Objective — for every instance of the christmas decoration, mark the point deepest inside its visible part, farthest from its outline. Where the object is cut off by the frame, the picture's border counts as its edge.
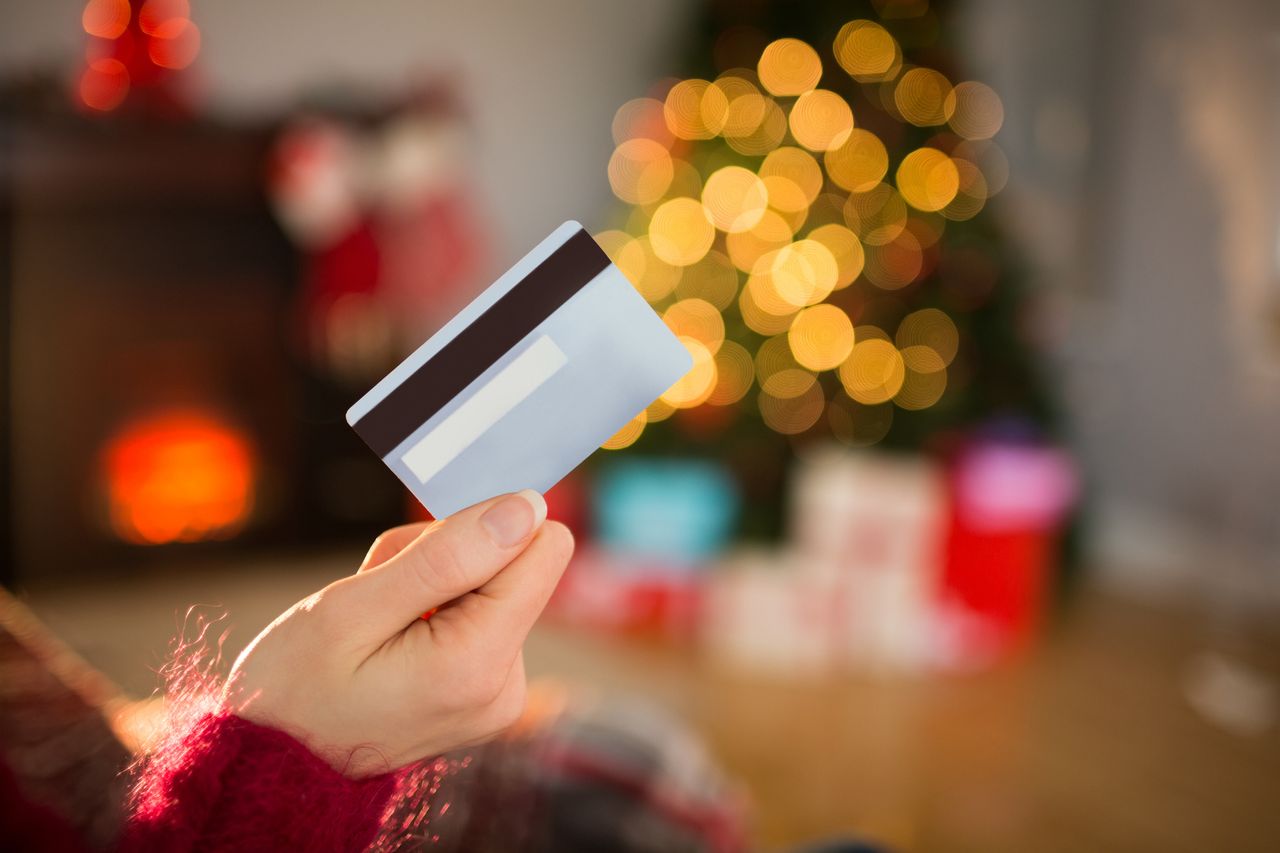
(808, 212)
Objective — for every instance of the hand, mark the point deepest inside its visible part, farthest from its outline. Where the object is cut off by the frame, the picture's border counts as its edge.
(354, 672)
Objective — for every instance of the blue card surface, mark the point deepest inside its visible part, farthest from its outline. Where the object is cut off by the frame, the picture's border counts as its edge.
(525, 382)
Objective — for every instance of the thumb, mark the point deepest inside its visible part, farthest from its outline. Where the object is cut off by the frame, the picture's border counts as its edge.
(446, 560)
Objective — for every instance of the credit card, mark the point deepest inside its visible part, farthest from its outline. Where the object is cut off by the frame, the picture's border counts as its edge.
(525, 382)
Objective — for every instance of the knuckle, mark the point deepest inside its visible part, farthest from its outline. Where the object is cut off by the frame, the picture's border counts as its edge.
(438, 567)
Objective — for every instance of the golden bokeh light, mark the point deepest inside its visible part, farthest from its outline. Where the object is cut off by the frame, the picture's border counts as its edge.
(932, 329)
(974, 110)
(972, 194)
(640, 171)
(845, 248)
(921, 96)
(788, 382)
(659, 410)
(735, 371)
(735, 199)
(866, 51)
(628, 435)
(821, 120)
(694, 387)
(714, 108)
(680, 232)
(649, 274)
(774, 357)
(922, 359)
(803, 273)
(921, 388)
(877, 216)
(682, 109)
(874, 371)
(821, 337)
(712, 279)
(746, 248)
(743, 106)
(762, 309)
(641, 118)
(792, 415)
(792, 177)
(766, 136)
(859, 163)
(928, 179)
(696, 319)
(789, 67)
(895, 264)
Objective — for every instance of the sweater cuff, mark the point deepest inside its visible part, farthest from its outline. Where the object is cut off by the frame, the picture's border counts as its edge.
(230, 784)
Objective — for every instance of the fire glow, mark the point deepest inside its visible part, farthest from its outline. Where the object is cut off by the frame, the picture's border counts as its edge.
(178, 476)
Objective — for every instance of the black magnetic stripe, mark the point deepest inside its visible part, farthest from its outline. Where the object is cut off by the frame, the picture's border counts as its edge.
(477, 347)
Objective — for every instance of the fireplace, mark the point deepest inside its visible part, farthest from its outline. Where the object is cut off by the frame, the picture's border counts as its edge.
(157, 402)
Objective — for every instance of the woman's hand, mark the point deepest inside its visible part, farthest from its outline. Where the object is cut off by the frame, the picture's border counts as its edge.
(354, 672)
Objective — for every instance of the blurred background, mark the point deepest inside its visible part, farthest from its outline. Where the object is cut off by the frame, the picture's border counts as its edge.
(962, 534)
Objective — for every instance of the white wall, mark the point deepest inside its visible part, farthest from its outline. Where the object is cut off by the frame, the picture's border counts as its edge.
(1143, 138)
(543, 78)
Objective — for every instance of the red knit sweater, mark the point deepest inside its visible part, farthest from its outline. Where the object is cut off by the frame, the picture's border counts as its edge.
(232, 785)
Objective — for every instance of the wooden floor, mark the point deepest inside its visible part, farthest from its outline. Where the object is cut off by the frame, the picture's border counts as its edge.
(1087, 746)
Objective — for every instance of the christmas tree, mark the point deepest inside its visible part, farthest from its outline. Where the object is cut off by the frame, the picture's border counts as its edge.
(808, 211)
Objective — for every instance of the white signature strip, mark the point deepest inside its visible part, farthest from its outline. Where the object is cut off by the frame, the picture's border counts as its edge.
(489, 404)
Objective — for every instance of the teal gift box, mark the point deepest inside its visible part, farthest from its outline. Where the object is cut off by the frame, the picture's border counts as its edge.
(676, 511)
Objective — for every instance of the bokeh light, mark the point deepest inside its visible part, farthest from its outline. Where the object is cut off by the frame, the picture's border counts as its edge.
(104, 84)
(746, 248)
(803, 273)
(696, 319)
(680, 232)
(927, 179)
(766, 136)
(792, 177)
(107, 19)
(859, 163)
(932, 329)
(874, 371)
(921, 96)
(682, 110)
(641, 118)
(789, 67)
(735, 373)
(735, 199)
(866, 51)
(628, 434)
(712, 279)
(640, 171)
(821, 337)
(791, 415)
(974, 110)
(877, 216)
(845, 248)
(174, 44)
(821, 120)
(696, 386)
(895, 264)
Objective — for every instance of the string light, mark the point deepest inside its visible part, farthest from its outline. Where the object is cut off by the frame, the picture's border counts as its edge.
(804, 207)
(789, 67)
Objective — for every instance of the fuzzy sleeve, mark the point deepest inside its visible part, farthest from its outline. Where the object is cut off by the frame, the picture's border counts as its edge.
(231, 785)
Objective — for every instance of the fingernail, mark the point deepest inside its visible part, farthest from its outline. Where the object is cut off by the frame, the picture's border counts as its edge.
(512, 519)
